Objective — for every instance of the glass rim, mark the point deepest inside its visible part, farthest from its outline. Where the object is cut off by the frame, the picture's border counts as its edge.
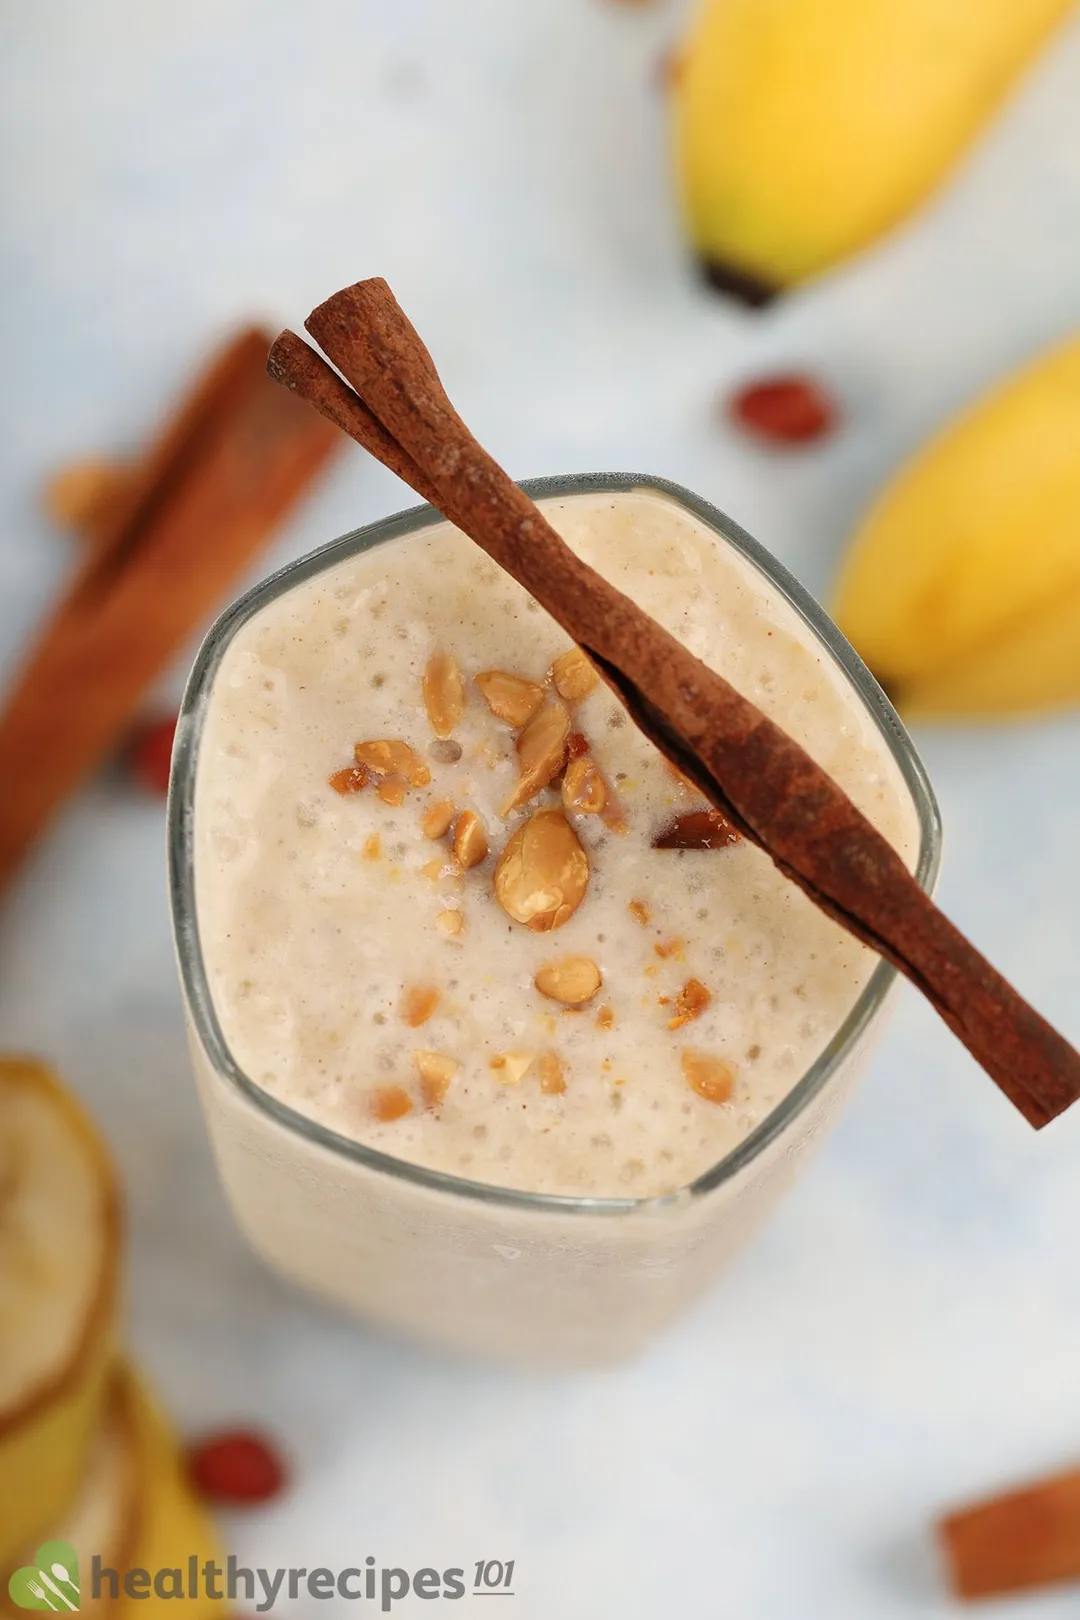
(181, 826)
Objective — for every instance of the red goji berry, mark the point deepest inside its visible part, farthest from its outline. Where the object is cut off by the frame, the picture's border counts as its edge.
(236, 1467)
(790, 409)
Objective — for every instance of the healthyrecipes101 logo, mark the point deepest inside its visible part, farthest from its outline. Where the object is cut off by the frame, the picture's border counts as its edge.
(51, 1581)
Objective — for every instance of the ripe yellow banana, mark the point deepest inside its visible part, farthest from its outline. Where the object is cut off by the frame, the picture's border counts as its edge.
(134, 1511)
(962, 587)
(59, 1241)
(805, 129)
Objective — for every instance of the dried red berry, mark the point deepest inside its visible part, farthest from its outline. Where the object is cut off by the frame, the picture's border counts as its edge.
(149, 754)
(784, 410)
(236, 1467)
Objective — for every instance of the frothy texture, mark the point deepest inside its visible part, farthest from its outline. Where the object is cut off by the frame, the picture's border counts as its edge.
(346, 949)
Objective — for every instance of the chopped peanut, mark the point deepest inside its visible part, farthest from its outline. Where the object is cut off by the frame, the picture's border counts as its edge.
(393, 758)
(470, 840)
(451, 923)
(372, 848)
(510, 697)
(541, 753)
(436, 819)
(574, 980)
(550, 1069)
(391, 790)
(436, 1071)
(573, 675)
(640, 912)
(389, 1103)
(583, 788)
(418, 1004)
(353, 779)
(542, 874)
(444, 693)
(690, 1003)
(670, 947)
(709, 1076)
(605, 1018)
(510, 1068)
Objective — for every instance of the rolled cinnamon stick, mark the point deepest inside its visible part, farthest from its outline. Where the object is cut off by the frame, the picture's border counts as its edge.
(1013, 1543)
(746, 765)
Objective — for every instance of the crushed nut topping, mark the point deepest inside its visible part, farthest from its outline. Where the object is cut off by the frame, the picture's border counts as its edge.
(542, 874)
(550, 1069)
(709, 1076)
(698, 829)
(690, 1003)
(573, 675)
(670, 947)
(640, 912)
(444, 693)
(510, 1068)
(418, 1004)
(393, 758)
(436, 819)
(444, 751)
(451, 923)
(436, 1071)
(541, 753)
(391, 790)
(470, 840)
(577, 745)
(353, 779)
(510, 697)
(583, 788)
(573, 980)
(605, 1018)
(372, 848)
(389, 1103)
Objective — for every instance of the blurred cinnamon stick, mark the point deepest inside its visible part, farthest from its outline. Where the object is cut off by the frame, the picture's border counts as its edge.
(748, 768)
(1013, 1543)
(164, 550)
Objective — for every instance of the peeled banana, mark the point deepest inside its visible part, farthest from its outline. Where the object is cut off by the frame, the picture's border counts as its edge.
(805, 129)
(59, 1243)
(962, 587)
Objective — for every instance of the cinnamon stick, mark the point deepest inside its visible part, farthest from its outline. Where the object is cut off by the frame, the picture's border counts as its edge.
(746, 766)
(221, 476)
(1025, 1539)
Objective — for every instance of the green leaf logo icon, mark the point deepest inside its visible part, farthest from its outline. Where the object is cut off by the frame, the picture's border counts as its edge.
(50, 1582)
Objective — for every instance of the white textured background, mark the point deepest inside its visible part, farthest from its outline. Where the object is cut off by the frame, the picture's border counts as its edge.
(908, 1331)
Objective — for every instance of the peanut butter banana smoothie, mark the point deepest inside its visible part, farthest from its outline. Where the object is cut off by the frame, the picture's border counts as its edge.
(455, 908)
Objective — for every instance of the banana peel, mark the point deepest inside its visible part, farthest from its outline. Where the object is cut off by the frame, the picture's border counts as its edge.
(961, 589)
(135, 1510)
(806, 129)
(59, 1285)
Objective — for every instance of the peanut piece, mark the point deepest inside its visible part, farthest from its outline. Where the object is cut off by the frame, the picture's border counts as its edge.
(583, 788)
(418, 1004)
(510, 697)
(550, 1069)
(393, 758)
(444, 693)
(709, 1076)
(690, 1003)
(451, 923)
(353, 779)
(542, 874)
(573, 675)
(510, 1068)
(436, 819)
(436, 1071)
(605, 1018)
(640, 912)
(389, 1103)
(470, 840)
(541, 753)
(391, 790)
(573, 981)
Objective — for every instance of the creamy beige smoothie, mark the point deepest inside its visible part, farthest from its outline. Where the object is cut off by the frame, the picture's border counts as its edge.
(404, 755)
(488, 1054)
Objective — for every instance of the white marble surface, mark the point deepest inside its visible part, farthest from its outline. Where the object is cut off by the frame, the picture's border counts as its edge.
(908, 1330)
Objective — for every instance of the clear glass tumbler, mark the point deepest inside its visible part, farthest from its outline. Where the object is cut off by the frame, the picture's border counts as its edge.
(528, 1277)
